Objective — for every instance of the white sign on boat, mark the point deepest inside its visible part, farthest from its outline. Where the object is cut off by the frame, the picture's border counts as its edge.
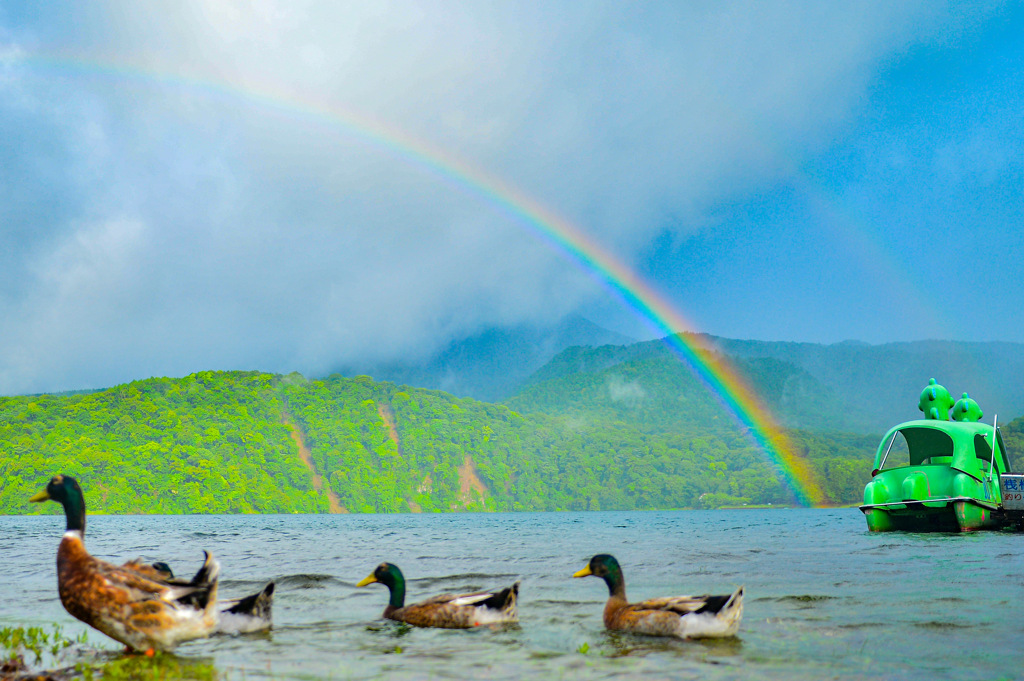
(1012, 488)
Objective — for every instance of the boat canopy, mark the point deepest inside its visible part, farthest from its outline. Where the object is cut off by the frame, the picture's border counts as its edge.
(961, 445)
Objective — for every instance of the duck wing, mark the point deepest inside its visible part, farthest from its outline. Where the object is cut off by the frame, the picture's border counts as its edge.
(192, 593)
(138, 587)
(234, 615)
(683, 605)
(156, 571)
(682, 616)
(463, 611)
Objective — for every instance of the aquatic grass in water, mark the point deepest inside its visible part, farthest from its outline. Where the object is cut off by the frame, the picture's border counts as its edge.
(39, 653)
(162, 667)
(41, 645)
(825, 598)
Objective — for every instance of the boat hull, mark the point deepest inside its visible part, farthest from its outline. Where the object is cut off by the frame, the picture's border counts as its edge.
(961, 514)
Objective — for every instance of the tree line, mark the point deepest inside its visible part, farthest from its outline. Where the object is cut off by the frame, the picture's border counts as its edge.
(219, 442)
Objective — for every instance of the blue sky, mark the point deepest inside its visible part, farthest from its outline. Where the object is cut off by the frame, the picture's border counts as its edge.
(781, 171)
(903, 226)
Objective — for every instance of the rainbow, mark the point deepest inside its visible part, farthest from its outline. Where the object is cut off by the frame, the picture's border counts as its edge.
(714, 371)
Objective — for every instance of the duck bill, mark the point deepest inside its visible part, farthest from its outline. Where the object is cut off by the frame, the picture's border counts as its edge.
(369, 580)
(585, 572)
(41, 496)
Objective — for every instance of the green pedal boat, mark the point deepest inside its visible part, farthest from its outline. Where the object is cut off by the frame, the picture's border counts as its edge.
(939, 473)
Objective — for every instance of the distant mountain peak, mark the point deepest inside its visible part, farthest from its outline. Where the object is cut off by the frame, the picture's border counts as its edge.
(495, 362)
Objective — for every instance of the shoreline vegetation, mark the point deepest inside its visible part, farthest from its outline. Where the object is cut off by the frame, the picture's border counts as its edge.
(252, 442)
(47, 654)
(750, 507)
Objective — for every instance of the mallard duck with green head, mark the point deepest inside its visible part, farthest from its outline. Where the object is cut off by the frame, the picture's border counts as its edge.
(680, 616)
(130, 603)
(448, 611)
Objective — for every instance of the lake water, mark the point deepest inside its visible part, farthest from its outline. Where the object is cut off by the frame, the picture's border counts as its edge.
(825, 598)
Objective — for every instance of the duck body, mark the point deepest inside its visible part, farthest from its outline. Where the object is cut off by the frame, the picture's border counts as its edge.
(678, 616)
(460, 611)
(245, 615)
(446, 611)
(127, 606)
(127, 603)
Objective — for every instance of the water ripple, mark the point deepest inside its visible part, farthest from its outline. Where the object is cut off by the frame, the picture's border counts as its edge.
(824, 597)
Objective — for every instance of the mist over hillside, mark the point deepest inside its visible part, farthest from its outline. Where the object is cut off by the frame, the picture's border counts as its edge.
(577, 366)
(844, 387)
(494, 363)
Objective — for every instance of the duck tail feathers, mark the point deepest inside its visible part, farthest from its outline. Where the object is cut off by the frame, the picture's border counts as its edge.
(504, 601)
(736, 600)
(257, 605)
(202, 590)
(732, 612)
(208, 573)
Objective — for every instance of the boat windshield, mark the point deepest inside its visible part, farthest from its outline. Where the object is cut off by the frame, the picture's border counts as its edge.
(917, 446)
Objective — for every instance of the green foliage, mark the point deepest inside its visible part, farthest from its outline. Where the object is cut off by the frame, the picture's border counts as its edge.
(1013, 438)
(162, 666)
(47, 650)
(220, 442)
(650, 389)
(841, 462)
(207, 443)
(43, 645)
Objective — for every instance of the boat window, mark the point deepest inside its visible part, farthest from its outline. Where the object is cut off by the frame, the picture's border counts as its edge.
(899, 452)
(982, 449)
(928, 446)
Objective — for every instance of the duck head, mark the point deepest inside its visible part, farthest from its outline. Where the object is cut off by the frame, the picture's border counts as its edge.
(65, 491)
(390, 576)
(605, 566)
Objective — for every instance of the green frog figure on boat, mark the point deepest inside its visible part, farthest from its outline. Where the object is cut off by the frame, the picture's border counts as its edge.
(947, 472)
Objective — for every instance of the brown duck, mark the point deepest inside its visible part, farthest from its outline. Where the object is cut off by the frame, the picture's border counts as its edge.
(448, 611)
(245, 615)
(681, 616)
(134, 603)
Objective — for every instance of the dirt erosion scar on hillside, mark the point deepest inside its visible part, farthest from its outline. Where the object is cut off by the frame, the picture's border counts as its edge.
(387, 416)
(469, 480)
(307, 459)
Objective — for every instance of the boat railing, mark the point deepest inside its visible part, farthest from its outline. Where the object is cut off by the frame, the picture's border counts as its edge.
(885, 456)
(995, 445)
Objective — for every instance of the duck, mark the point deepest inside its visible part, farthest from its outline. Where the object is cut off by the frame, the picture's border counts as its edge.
(137, 606)
(246, 615)
(446, 611)
(679, 616)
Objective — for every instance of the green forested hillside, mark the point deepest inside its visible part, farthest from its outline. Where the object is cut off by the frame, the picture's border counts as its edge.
(654, 392)
(844, 387)
(234, 442)
(207, 443)
(1013, 438)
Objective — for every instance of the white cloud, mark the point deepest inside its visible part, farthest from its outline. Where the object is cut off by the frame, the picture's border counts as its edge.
(621, 390)
(260, 236)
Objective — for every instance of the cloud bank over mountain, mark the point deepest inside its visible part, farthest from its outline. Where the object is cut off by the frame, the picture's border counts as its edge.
(181, 189)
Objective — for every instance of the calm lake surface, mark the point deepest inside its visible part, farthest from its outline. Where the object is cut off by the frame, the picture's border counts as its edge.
(825, 598)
